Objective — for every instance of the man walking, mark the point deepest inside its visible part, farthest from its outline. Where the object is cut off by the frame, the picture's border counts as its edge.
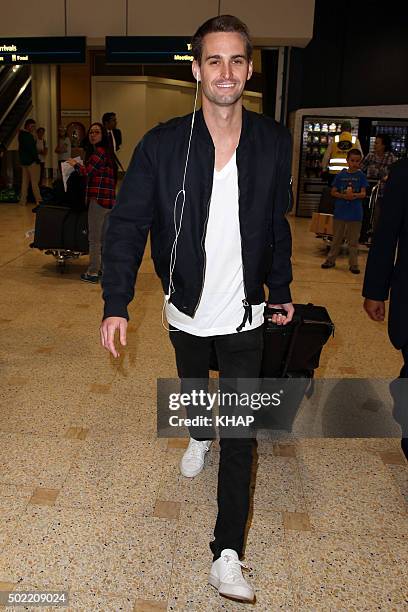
(386, 275)
(30, 162)
(223, 174)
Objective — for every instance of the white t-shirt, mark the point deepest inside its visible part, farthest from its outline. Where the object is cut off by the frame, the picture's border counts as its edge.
(41, 146)
(110, 132)
(220, 310)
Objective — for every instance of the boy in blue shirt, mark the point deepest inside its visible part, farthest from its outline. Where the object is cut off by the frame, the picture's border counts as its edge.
(349, 189)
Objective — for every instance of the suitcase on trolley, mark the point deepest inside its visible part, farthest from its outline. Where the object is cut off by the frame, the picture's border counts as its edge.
(61, 228)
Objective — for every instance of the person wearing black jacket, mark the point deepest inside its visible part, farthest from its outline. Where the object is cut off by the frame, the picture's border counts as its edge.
(386, 276)
(213, 189)
(109, 122)
(30, 162)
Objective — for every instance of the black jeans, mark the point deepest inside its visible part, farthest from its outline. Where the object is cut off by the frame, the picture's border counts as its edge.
(239, 355)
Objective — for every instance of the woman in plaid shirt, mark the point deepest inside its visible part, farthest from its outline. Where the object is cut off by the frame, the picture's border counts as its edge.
(100, 171)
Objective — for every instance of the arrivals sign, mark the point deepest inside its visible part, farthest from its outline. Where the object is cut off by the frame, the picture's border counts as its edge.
(44, 50)
(148, 50)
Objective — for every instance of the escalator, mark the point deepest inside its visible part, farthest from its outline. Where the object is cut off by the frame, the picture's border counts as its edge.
(15, 100)
(15, 103)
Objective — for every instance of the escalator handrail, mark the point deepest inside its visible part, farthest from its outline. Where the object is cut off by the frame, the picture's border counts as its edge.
(8, 77)
(19, 93)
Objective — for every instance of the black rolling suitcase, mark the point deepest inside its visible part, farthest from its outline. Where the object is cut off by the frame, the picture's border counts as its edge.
(292, 352)
(61, 228)
(295, 349)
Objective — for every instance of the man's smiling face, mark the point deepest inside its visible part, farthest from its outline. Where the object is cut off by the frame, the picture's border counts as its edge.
(224, 68)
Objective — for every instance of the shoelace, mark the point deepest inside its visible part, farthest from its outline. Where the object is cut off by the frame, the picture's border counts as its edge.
(234, 569)
(196, 449)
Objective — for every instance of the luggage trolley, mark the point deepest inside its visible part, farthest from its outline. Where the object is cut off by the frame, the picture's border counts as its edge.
(322, 221)
(372, 206)
(61, 225)
(62, 233)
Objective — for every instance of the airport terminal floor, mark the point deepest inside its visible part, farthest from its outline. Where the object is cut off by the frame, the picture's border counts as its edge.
(92, 502)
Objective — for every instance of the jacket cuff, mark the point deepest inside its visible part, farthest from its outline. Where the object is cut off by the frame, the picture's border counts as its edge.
(377, 295)
(115, 306)
(280, 295)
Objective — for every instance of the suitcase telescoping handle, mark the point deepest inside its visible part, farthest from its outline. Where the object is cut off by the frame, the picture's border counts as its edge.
(295, 324)
(296, 327)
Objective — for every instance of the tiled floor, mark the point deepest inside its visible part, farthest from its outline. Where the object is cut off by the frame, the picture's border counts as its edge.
(92, 502)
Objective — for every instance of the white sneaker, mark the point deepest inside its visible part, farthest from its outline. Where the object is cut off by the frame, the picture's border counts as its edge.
(193, 459)
(226, 576)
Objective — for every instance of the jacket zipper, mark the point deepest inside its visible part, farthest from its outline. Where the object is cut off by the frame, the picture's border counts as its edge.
(245, 302)
(204, 253)
(247, 306)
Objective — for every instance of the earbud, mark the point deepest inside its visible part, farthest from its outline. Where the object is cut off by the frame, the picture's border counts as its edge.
(197, 76)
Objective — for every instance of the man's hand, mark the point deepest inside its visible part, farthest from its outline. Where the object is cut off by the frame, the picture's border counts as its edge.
(72, 162)
(280, 319)
(375, 309)
(108, 330)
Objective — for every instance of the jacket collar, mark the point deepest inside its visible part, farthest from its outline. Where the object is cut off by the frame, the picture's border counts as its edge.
(204, 134)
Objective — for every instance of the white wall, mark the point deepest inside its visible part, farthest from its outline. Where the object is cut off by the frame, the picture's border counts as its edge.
(127, 98)
(271, 22)
(175, 18)
(96, 18)
(27, 18)
(142, 102)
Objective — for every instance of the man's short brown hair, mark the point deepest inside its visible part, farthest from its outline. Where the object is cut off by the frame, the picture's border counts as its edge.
(222, 23)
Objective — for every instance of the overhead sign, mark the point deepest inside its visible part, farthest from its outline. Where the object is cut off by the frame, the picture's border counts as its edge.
(148, 50)
(44, 50)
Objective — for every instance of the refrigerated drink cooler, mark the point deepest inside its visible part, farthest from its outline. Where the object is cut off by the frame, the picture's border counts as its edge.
(318, 132)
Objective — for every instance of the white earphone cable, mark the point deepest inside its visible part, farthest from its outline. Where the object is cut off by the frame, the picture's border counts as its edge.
(177, 226)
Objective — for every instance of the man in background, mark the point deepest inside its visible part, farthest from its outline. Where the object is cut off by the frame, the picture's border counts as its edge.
(30, 162)
(109, 122)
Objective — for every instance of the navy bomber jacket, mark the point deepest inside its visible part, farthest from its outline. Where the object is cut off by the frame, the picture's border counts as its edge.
(146, 203)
